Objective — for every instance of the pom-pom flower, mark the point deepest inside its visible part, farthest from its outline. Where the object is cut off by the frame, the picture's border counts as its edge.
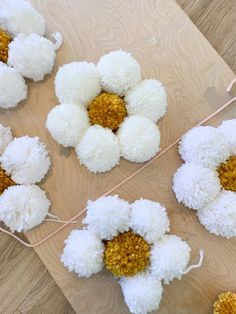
(25, 161)
(130, 241)
(24, 49)
(121, 110)
(225, 303)
(207, 181)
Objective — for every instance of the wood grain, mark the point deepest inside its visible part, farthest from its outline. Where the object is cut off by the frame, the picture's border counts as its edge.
(169, 47)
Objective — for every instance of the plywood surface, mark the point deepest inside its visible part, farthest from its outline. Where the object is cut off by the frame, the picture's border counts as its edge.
(169, 47)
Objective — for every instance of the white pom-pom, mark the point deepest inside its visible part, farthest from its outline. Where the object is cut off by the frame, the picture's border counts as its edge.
(169, 258)
(77, 82)
(142, 293)
(147, 99)
(83, 253)
(5, 137)
(67, 124)
(108, 216)
(228, 128)
(204, 145)
(32, 56)
(149, 219)
(18, 16)
(195, 186)
(219, 216)
(23, 207)
(10, 78)
(118, 71)
(26, 160)
(139, 139)
(99, 149)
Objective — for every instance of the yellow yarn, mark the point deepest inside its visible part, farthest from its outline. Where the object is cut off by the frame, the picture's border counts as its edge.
(5, 181)
(126, 254)
(4, 42)
(226, 303)
(107, 110)
(227, 174)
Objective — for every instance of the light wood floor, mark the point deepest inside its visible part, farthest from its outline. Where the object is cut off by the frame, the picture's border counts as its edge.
(25, 284)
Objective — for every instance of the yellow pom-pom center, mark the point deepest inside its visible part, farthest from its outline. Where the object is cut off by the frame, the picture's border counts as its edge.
(5, 181)
(126, 254)
(4, 42)
(107, 110)
(227, 174)
(226, 303)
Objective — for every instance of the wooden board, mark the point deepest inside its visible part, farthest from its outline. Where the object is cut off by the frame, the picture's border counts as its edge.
(168, 46)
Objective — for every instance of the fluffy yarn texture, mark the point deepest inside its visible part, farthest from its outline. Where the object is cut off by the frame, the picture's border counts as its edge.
(67, 124)
(26, 160)
(10, 78)
(77, 82)
(142, 293)
(147, 99)
(195, 186)
(18, 16)
(204, 145)
(108, 216)
(23, 207)
(219, 216)
(83, 253)
(149, 219)
(32, 56)
(5, 137)
(139, 139)
(227, 128)
(98, 150)
(118, 71)
(169, 258)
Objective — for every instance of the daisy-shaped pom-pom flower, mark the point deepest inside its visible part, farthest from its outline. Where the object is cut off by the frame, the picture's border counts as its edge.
(169, 258)
(23, 207)
(207, 181)
(26, 160)
(99, 149)
(83, 253)
(122, 111)
(9, 77)
(130, 241)
(118, 71)
(5, 137)
(142, 293)
(67, 124)
(77, 82)
(18, 16)
(32, 56)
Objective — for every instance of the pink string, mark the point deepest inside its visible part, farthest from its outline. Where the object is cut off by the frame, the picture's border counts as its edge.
(162, 152)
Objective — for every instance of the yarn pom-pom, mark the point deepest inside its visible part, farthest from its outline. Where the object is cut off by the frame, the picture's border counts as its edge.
(10, 78)
(18, 16)
(142, 293)
(227, 128)
(225, 303)
(149, 219)
(32, 56)
(83, 253)
(169, 258)
(118, 71)
(147, 99)
(77, 82)
(139, 139)
(26, 160)
(195, 186)
(23, 207)
(204, 145)
(67, 124)
(99, 149)
(5, 137)
(108, 216)
(219, 216)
